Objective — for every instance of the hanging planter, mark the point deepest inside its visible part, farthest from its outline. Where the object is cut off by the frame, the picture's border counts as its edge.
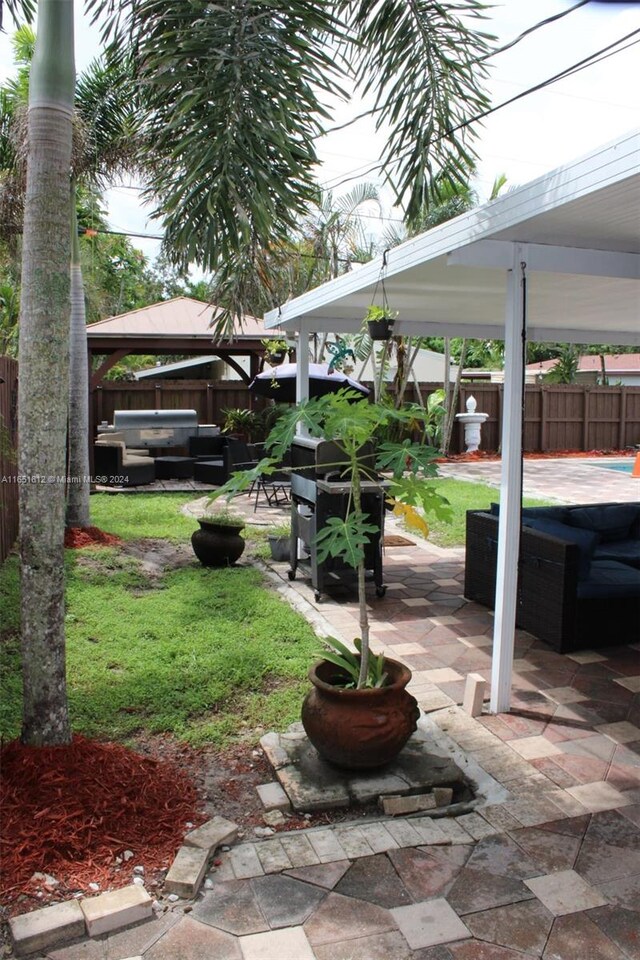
(380, 320)
(379, 323)
(275, 351)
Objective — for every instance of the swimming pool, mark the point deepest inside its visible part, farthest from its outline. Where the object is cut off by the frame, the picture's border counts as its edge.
(622, 466)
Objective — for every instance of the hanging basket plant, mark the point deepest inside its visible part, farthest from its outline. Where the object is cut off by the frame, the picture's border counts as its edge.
(275, 351)
(379, 322)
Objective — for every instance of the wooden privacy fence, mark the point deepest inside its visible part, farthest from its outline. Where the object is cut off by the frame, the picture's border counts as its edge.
(8, 460)
(557, 417)
(560, 416)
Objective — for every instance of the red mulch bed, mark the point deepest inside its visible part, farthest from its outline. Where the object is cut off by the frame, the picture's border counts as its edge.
(77, 537)
(71, 811)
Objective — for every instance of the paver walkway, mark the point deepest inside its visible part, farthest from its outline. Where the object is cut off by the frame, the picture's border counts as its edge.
(552, 872)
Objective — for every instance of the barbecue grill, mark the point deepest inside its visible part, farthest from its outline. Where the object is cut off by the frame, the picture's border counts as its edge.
(158, 428)
(318, 492)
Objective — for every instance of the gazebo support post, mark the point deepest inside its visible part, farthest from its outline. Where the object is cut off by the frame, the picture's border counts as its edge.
(510, 491)
(302, 371)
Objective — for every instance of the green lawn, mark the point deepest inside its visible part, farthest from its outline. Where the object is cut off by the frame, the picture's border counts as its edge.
(202, 653)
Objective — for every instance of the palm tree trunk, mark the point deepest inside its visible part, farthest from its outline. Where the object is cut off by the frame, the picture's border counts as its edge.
(78, 514)
(43, 386)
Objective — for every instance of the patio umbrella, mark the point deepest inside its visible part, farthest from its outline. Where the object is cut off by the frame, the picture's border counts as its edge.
(279, 383)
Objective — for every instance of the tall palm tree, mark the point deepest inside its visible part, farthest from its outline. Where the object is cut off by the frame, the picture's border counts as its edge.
(44, 374)
(104, 147)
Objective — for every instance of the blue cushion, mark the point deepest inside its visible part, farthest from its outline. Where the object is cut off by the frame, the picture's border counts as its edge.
(559, 514)
(611, 521)
(625, 551)
(610, 580)
(585, 540)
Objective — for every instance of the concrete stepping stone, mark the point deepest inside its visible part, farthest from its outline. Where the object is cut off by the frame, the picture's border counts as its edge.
(190, 940)
(375, 880)
(429, 872)
(476, 890)
(286, 902)
(338, 914)
(519, 926)
(577, 936)
(322, 875)
(231, 907)
(429, 923)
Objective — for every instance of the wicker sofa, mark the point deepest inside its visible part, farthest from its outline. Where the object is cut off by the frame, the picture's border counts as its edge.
(578, 572)
(114, 464)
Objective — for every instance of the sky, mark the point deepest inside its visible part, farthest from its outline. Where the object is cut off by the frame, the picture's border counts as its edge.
(523, 140)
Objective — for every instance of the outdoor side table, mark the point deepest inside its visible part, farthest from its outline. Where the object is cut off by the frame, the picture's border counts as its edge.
(174, 468)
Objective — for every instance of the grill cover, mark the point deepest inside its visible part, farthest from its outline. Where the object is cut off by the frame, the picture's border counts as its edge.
(159, 428)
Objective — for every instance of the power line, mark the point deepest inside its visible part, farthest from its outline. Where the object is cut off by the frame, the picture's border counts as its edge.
(487, 56)
(530, 30)
(589, 61)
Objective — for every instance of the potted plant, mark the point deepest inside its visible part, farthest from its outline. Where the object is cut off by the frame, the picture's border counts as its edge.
(279, 539)
(218, 542)
(379, 321)
(359, 713)
(275, 351)
(241, 423)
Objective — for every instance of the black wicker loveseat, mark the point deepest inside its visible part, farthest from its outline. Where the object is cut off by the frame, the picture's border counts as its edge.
(578, 572)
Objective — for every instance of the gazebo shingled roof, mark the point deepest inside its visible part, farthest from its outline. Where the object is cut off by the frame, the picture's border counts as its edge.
(178, 326)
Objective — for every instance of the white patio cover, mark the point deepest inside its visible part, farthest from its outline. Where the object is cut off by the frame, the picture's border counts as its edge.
(574, 237)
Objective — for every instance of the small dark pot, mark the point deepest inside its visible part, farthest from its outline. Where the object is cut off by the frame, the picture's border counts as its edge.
(275, 359)
(217, 544)
(359, 729)
(380, 329)
(280, 548)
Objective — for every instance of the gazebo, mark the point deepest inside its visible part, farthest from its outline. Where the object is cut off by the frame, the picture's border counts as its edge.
(557, 259)
(178, 326)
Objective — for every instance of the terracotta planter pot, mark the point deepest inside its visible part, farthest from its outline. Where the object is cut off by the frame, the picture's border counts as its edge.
(359, 729)
(217, 544)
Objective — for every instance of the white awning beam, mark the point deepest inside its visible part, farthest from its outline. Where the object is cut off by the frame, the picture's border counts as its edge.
(550, 258)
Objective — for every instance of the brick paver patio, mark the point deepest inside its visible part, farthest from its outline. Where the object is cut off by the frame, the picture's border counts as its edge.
(551, 872)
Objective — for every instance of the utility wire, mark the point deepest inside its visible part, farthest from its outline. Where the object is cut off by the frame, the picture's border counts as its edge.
(589, 61)
(487, 56)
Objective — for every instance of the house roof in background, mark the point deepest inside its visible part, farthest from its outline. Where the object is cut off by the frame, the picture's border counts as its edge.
(614, 363)
(180, 317)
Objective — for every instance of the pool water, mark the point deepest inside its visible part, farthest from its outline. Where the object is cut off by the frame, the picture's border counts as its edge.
(621, 467)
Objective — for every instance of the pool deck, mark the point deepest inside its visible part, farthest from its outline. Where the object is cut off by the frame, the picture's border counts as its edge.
(566, 479)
